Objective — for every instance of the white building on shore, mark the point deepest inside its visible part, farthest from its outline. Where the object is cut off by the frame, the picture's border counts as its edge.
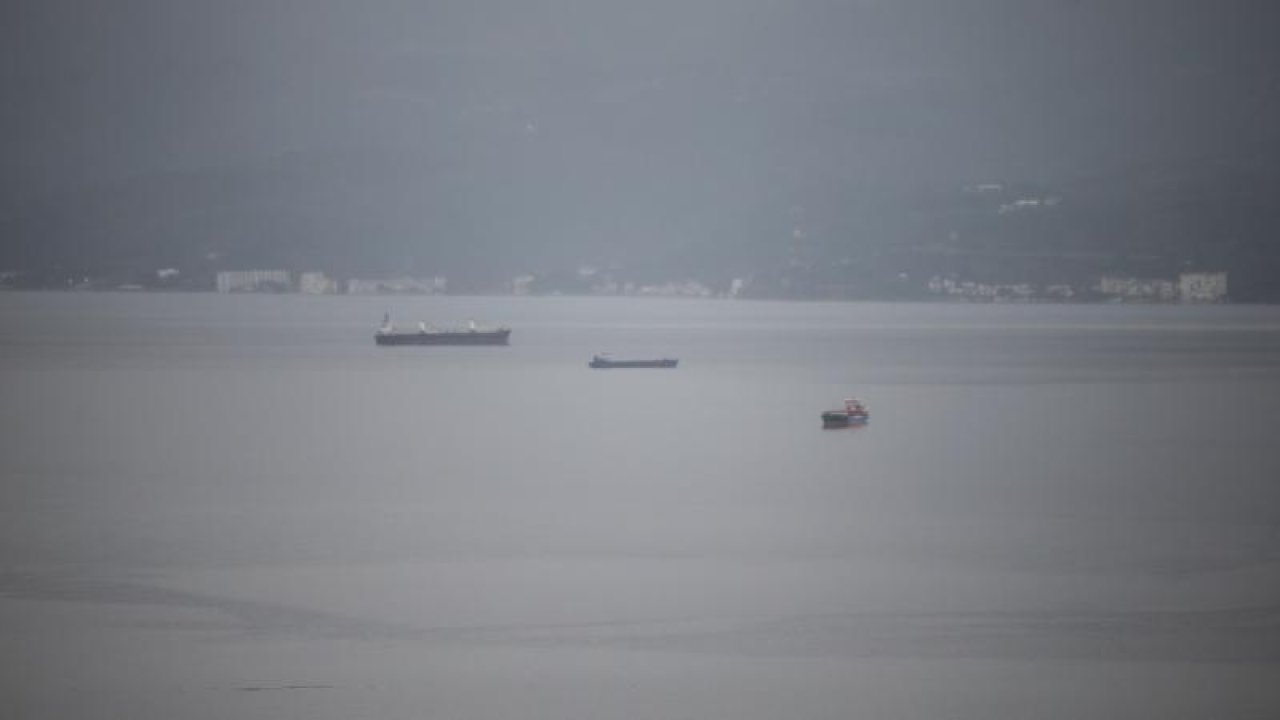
(1202, 287)
(316, 283)
(236, 281)
(1137, 289)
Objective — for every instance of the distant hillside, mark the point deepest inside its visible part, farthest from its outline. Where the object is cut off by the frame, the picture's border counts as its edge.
(345, 212)
(378, 212)
(1151, 221)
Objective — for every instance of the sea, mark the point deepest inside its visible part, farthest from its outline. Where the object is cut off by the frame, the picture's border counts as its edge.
(237, 506)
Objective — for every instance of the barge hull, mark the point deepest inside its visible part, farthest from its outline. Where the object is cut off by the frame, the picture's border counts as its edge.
(612, 364)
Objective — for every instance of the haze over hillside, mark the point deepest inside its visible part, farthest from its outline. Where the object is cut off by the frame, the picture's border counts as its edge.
(714, 139)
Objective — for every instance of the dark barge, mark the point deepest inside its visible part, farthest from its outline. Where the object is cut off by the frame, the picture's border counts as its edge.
(601, 362)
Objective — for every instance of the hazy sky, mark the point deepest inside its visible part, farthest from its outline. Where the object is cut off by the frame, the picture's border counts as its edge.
(543, 107)
(98, 89)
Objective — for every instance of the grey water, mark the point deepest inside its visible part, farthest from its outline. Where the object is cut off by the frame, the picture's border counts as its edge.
(239, 506)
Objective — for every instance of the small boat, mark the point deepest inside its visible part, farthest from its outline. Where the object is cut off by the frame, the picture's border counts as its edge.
(427, 335)
(604, 362)
(853, 413)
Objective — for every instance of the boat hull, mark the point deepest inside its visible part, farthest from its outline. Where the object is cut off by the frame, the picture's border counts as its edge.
(843, 419)
(602, 364)
(464, 337)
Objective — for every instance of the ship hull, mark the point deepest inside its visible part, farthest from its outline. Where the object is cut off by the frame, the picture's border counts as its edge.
(465, 337)
(601, 364)
(837, 419)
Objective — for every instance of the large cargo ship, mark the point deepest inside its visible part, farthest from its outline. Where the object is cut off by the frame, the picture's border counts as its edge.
(426, 335)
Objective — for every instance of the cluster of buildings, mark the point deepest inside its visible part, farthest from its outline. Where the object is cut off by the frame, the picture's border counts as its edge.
(402, 285)
(953, 289)
(317, 283)
(255, 281)
(1011, 203)
(686, 288)
(1197, 287)
(588, 280)
(1191, 287)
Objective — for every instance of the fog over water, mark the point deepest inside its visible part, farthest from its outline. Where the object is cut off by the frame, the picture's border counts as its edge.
(238, 506)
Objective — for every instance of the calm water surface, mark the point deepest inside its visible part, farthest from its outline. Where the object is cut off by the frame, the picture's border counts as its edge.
(238, 506)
